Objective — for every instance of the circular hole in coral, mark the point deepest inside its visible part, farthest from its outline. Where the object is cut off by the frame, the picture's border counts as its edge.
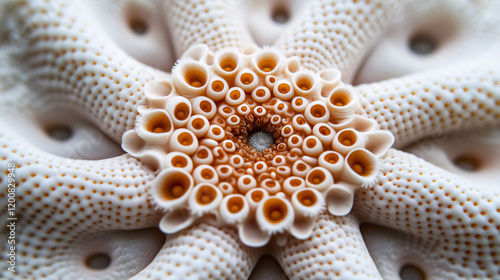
(423, 44)
(467, 163)
(98, 261)
(60, 133)
(205, 195)
(138, 25)
(307, 197)
(260, 140)
(280, 15)
(411, 272)
(275, 210)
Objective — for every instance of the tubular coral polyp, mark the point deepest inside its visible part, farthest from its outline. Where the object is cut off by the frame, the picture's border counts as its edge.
(252, 140)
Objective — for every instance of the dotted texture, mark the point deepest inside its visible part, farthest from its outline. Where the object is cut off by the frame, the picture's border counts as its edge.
(437, 102)
(59, 200)
(63, 55)
(203, 252)
(335, 34)
(391, 250)
(207, 22)
(335, 250)
(461, 221)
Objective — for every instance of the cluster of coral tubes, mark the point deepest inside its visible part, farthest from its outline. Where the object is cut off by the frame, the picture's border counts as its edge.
(253, 141)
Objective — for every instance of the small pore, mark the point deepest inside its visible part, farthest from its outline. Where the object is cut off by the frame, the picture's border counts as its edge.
(280, 15)
(423, 44)
(467, 163)
(185, 139)
(179, 162)
(411, 272)
(347, 138)
(283, 88)
(138, 26)
(340, 98)
(98, 261)
(60, 133)
(318, 111)
(246, 78)
(267, 65)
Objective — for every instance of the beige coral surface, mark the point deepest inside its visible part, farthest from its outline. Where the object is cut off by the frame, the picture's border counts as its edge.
(73, 80)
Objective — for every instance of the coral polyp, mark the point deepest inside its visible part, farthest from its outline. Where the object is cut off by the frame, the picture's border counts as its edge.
(253, 141)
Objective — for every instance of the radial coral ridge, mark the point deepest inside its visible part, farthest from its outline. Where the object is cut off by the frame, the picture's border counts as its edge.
(254, 141)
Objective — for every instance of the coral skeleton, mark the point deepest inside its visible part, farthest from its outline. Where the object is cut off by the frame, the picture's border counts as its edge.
(160, 139)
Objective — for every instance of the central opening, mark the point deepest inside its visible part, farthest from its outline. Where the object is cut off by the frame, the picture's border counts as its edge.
(260, 140)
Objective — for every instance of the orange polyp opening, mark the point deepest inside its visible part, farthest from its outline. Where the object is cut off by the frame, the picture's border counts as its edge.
(174, 186)
(260, 93)
(227, 110)
(270, 184)
(324, 131)
(217, 86)
(234, 95)
(235, 204)
(318, 111)
(301, 121)
(185, 139)
(259, 110)
(229, 145)
(246, 78)
(360, 164)
(295, 140)
(275, 210)
(339, 99)
(224, 170)
(281, 107)
(181, 111)
(267, 65)
(228, 64)
(316, 177)
(332, 158)
(272, 80)
(304, 84)
(311, 143)
(159, 124)
(205, 195)
(283, 88)
(179, 161)
(301, 167)
(278, 160)
(236, 160)
(273, 102)
(246, 181)
(203, 154)
(198, 123)
(295, 182)
(348, 138)
(257, 196)
(307, 197)
(276, 119)
(287, 130)
(299, 102)
(207, 174)
(216, 131)
(244, 109)
(205, 106)
(195, 78)
(234, 119)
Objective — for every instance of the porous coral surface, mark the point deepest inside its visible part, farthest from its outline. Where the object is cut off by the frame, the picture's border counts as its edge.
(234, 151)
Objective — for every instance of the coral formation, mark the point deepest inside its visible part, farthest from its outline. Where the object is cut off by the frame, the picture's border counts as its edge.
(255, 142)
(242, 151)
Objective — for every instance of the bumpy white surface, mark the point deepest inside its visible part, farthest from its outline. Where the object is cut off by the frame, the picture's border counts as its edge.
(55, 52)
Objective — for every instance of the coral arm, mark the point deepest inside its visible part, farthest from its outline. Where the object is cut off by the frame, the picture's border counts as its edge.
(42, 255)
(437, 102)
(203, 252)
(208, 22)
(67, 56)
(335, 34)
(75, 197)
(415, 197)
(334, 250)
